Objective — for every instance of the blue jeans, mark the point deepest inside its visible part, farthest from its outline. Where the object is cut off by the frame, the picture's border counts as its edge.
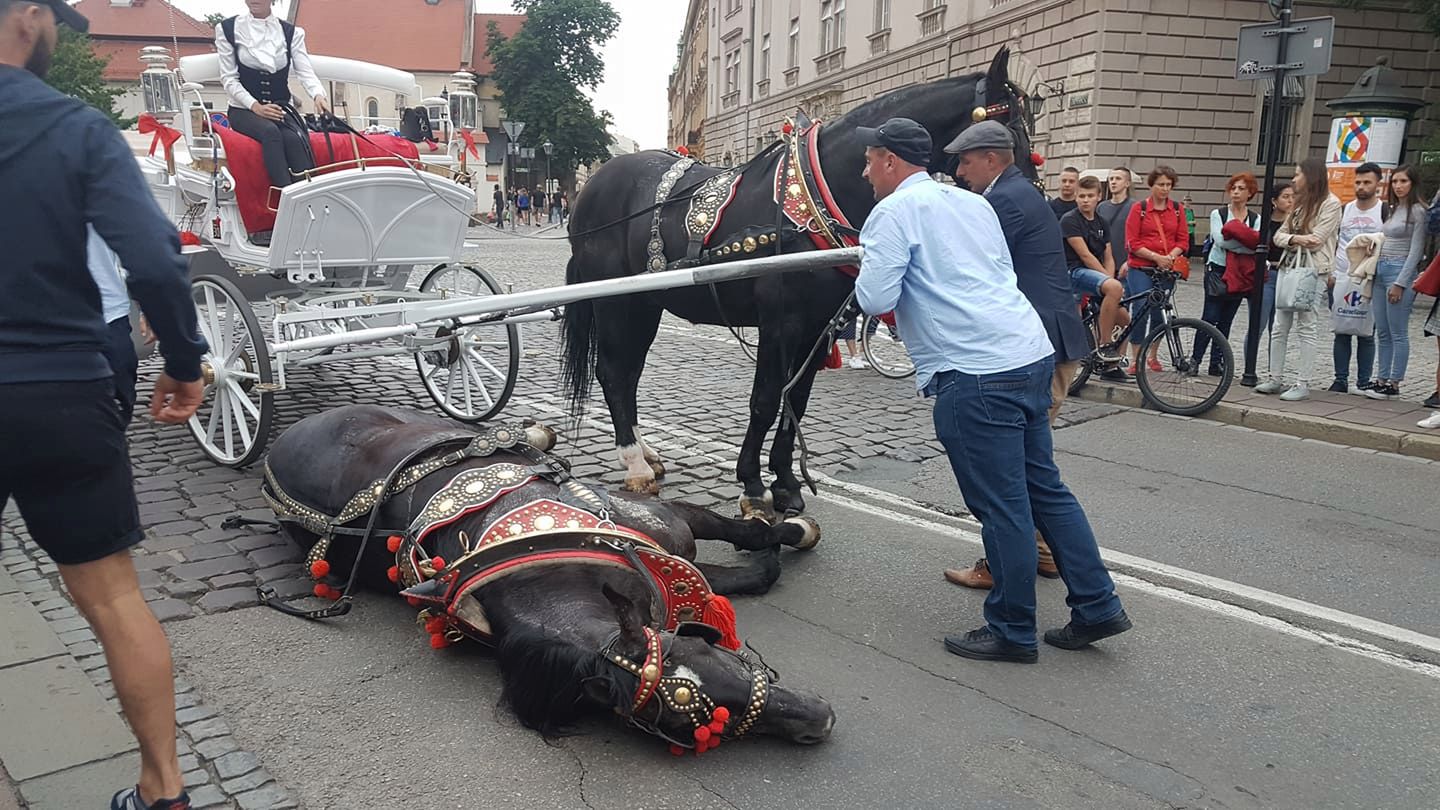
(1392, 322)
(996, 431)
(1136, 282)
(1362, 345)
(1267, 307)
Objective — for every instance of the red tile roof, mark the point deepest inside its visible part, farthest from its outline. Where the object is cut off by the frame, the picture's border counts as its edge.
(142, 19)
(124, 54)
(413, 35)
(509, 25)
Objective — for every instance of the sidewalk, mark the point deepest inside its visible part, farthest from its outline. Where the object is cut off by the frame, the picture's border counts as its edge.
(64, 744)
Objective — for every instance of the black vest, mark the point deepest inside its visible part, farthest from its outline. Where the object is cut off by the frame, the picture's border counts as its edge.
(267, 88)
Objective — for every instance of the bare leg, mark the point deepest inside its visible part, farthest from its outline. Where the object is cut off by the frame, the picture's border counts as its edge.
(108, 594)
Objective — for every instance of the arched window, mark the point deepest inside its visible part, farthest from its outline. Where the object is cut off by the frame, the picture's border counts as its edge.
(372, 111)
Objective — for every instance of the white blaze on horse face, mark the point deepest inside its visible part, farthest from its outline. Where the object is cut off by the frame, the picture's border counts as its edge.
(689, 674)
(650, 455)
(632, 458)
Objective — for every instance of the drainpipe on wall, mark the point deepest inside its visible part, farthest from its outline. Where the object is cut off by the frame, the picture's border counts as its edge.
(749, 81)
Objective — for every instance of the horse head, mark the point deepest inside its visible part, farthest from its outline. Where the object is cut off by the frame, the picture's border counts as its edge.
(680, 685)
(945, 107)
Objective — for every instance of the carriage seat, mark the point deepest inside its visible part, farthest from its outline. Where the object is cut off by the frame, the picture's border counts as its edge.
(252, 184)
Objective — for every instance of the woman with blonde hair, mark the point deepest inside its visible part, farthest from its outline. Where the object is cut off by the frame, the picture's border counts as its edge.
(1309, 238)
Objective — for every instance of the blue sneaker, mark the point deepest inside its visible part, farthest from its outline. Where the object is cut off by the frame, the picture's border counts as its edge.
(129, 799)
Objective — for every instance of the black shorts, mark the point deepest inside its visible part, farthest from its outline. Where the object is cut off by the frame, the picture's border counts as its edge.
(64, 460)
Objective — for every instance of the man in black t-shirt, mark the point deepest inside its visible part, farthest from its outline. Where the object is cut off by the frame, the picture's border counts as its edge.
(1092, 265)
(1069, 181)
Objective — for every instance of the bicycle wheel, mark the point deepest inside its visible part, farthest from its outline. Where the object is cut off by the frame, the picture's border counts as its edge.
(882, 347)
(1087, 365)
(1181, 386)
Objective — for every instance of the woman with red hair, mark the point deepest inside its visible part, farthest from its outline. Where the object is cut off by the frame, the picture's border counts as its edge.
(1220, 304)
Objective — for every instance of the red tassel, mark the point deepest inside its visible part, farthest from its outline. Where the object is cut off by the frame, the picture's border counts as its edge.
(435, 625)
(720, 614)
(393, 573)
(438, 641)
(677, 750)
(834, 361)
(721, 715)
(320, 569)
(393, 542)
(1037, 159)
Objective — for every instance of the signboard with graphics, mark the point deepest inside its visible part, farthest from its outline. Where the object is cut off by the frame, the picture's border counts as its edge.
(1357, 139)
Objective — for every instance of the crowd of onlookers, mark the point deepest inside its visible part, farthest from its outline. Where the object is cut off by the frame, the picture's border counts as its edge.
(1361, 264)
(523, 206)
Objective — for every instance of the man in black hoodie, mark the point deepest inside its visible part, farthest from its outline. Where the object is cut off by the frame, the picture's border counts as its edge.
(63, 456)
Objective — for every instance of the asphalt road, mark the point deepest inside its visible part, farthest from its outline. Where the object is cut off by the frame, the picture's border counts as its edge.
(1217, 698)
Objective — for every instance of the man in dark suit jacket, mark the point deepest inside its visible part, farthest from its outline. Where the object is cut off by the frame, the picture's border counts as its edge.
(1037, 249)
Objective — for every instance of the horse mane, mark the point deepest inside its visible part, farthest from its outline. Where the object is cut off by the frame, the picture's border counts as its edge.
(880, 108)
(544, 679)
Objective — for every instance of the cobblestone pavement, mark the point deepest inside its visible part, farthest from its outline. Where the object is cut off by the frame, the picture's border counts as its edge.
(693, 405)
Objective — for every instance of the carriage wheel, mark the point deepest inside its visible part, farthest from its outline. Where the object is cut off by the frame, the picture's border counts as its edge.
(472, 375)
(233, 422)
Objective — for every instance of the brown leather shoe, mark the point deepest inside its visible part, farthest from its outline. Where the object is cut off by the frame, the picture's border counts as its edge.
(1046, 567)
(976, 576)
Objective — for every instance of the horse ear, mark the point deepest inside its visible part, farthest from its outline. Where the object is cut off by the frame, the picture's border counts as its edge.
(632, 622)
(999, 71)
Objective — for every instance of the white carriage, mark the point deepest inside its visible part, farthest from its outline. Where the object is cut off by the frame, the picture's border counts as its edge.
(343, 244)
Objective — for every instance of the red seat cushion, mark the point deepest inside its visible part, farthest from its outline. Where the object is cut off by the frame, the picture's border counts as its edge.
(252, 182)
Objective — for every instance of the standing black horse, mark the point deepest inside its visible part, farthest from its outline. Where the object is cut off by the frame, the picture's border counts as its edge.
(609, 338)
(591, 607)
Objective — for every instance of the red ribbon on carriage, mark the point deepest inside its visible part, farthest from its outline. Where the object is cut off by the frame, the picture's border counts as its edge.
(469, 139)
(163, 135)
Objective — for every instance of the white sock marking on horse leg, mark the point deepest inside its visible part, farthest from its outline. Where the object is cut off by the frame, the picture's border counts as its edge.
(650, 455)
(632, 458)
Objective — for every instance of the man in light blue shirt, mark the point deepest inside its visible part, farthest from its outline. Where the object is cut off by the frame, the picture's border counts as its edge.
(115, 308)
(937, 257)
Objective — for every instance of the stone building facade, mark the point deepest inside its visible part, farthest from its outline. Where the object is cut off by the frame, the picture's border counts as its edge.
(1131, 82)
(689, 90)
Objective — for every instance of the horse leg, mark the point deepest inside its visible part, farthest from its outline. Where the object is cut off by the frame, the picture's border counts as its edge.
(651, 457)
(627, 327)
(786, 487)
(747, 534)
(764, 406)
(753, 578)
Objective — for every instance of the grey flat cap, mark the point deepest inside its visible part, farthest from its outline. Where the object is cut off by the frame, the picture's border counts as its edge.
(984, 135)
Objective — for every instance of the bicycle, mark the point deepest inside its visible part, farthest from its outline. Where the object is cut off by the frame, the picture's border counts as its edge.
(1181, 377)
(881, 346)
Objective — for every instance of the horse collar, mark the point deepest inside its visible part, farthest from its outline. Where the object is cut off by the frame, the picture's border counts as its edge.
(804, 197)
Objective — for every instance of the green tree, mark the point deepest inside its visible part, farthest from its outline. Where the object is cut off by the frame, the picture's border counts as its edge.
(77, 71)
(214, 19)
(542, 71)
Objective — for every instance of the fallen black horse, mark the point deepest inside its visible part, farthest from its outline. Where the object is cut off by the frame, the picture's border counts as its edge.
(591, 599)
(804, 192)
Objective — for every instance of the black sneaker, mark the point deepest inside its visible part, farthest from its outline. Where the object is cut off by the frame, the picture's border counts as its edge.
(1116, 375)
(129, 799)
(1433, 401)
(1074, 636)
(1366, 386)
(982, 645)
(1339, 387)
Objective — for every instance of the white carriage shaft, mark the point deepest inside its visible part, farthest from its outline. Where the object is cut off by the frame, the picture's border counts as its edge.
(523, 304)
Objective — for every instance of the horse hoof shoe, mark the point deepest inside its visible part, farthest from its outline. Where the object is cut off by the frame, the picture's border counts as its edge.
(644, 486)
(810, 536)
(756, 508)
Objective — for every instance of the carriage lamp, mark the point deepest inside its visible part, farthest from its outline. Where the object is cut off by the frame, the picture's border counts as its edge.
(157, 81)
(464, 104)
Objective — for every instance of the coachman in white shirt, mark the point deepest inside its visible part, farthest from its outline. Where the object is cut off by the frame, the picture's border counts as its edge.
(257, 52)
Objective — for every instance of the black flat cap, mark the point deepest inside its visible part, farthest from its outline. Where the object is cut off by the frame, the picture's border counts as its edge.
(906, 138)
(984, 135)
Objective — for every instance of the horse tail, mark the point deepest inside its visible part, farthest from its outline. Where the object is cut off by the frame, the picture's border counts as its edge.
(579, 335)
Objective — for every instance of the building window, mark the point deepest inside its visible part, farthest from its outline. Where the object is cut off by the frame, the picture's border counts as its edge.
(932, 17)
(882, 15)
(792, 52)
(731, 7)
(832, 25)
(732, 71)
(372, 112)
(1290, 105)
(765, 57)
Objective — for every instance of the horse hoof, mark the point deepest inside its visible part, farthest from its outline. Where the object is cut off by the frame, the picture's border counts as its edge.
(810, 536)
(788, 502)
(541, 437)
(756, 508)
(658, 468)
(644, 486)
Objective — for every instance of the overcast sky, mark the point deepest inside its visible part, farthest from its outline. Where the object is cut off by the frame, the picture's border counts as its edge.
(638, 60)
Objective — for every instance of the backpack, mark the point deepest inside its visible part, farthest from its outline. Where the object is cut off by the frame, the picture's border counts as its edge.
(415, 125)
(1224, 218)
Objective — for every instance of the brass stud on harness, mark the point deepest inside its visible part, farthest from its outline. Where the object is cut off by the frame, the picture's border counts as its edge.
(750, 244)
(978, 114)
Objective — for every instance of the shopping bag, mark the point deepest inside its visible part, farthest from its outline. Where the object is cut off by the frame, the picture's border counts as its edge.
(1350, 311)
(1297, 288)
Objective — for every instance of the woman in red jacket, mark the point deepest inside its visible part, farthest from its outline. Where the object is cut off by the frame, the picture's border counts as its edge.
(1155, 234)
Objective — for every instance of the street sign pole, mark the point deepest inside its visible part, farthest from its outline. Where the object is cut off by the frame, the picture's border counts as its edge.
(1272, 149)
